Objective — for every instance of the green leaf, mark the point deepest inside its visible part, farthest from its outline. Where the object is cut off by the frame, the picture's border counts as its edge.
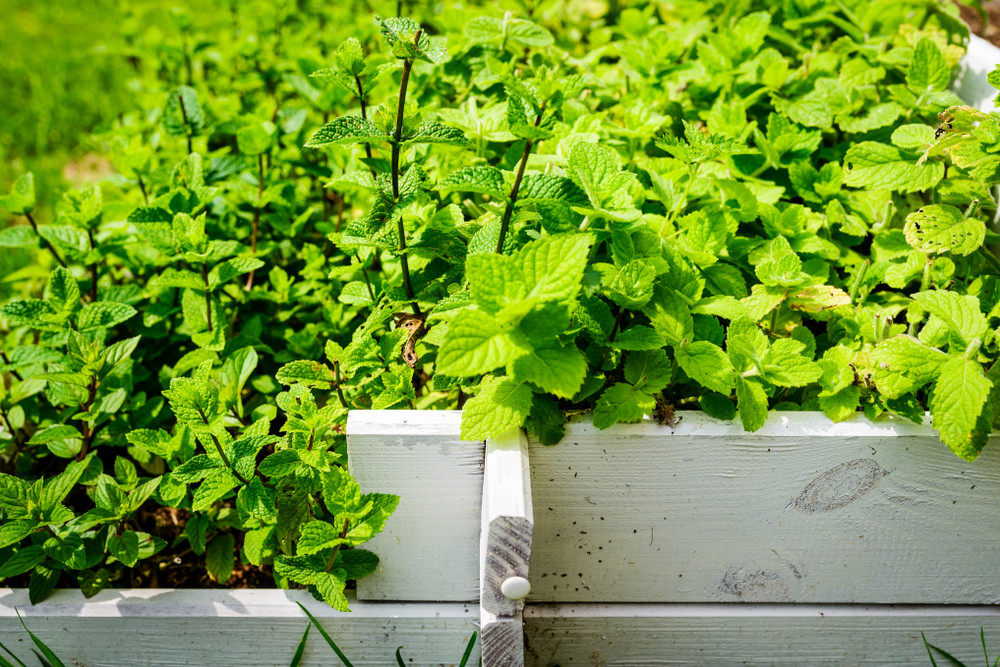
(124, 547)
(484, 180)
(752, 403)
(622, 403)
(103, 314)
(929, 71)
(221, 557)
(18, 236)
(476, 343)
(21, 561)
(649, 371)
(939, 228)
(956, 404)
(556, 369)
(878, 166)
(708, 365)
(960, 312)
(21, 199)
(903, 364)
(638, 337)
(255, 139)
(307, 373)
(216, 485)
(500, 405)
(317, 536)
(14, 531)
(785, 366)
(433, 132)
(347, 130)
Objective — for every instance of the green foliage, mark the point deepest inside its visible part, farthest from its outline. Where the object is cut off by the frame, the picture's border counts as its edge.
(529, 217)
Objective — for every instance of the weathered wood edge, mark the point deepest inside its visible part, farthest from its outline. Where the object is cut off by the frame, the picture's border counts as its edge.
(759, 634)
(779, 424)
(508, 518)
(501, 639)
(236, 628)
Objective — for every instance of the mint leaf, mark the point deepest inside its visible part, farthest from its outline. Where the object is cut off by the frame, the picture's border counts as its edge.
(939, 228)
(708, 365)
(500, 405)
(882, 167)
(956, 404)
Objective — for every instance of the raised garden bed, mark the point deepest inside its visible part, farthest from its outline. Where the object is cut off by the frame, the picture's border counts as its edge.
(689, 540)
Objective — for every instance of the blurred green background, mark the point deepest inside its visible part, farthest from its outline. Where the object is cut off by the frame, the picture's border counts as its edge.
(61, 76)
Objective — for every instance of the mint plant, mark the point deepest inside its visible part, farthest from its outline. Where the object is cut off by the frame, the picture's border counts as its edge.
(732, 207)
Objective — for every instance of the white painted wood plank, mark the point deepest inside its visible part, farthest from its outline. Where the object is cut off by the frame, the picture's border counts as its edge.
(728, 634)
(803, 510)
(971, 85)
(229, 628)
(430, 547)
(505, 544)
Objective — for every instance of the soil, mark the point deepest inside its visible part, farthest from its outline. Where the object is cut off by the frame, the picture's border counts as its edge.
(971, 16)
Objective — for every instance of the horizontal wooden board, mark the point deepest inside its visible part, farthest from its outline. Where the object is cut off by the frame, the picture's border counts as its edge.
(803, 510)
(756, 634)
(230, 628)
(430, 547)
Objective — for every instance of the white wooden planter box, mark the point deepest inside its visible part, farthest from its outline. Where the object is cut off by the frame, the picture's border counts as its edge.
(804, 543)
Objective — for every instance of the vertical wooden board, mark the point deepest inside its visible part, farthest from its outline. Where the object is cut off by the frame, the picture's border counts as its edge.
(502, 640)
(505, 544)
(793, 635)
(230, 628)
(429, 549)
(801, 511)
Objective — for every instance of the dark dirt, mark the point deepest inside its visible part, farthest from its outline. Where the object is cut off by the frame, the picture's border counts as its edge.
(992, 32)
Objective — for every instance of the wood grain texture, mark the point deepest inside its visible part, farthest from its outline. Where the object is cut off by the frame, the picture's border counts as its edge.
(429, 550)
(234, 628)
(502, 639)
(725, 634)
(803, 510)
(505, 544)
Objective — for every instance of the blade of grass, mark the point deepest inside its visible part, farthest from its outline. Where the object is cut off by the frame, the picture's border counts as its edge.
(329, 640)
(4, 662)
(468, 650)
(46, 651)
(297, 658)
(399, 657)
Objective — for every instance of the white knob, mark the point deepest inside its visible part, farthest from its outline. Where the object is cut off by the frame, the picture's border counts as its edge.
(515, 588)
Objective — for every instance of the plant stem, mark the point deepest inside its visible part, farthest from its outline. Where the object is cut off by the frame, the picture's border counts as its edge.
(925, 283)
(611, 338)
(512, 199)
(400, 108)
(397, 137)
(340, 392)
(364, 273)
(187, 124)
(93, 268)
(88, 431)
(45, 243)
(256, 214)
(336, 549)
(988, 256)
(6, 360)
(142, 189)
(364, 115)
(858, 278)
(208, 296)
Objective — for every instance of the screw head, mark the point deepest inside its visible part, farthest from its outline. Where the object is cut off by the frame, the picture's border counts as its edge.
(515, 588)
